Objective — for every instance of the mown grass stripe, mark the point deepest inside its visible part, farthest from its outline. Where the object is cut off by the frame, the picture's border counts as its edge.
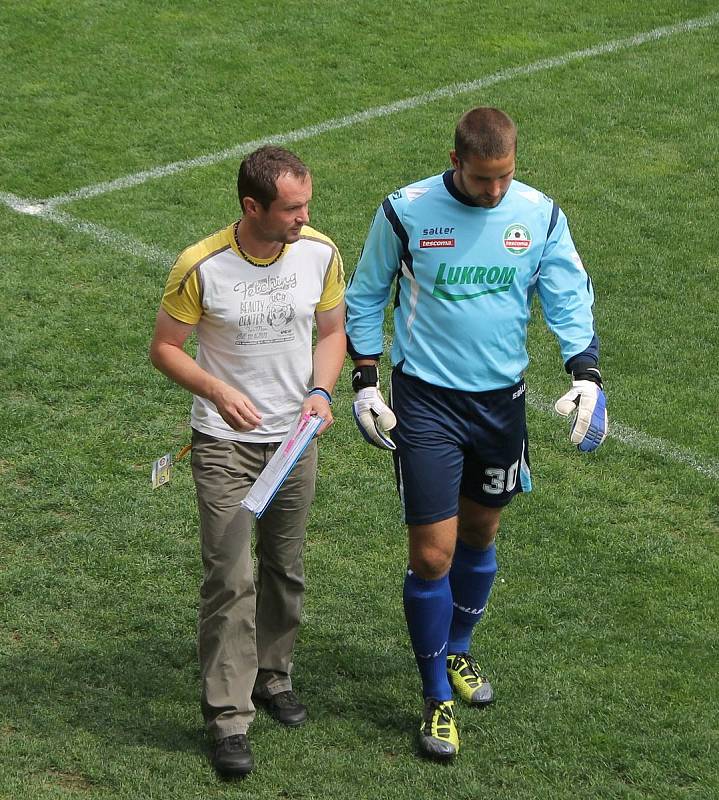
(47, 209)
(409, 103)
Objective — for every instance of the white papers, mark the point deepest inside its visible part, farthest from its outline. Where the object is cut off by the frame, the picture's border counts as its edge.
(281, 463)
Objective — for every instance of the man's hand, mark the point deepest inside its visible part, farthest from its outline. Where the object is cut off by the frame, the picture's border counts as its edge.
(586, 398)
(317, 403)
(235, 408)
(373, 416)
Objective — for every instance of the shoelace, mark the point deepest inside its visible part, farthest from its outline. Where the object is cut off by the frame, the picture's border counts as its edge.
(445, 717)
(470, 663)
(288, 698)
(235, 742)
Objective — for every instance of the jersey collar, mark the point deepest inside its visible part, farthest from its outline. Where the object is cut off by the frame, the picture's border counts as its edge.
(448, 178)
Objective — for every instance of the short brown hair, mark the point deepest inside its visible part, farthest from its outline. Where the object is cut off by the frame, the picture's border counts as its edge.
(485, 132)
(260, 170)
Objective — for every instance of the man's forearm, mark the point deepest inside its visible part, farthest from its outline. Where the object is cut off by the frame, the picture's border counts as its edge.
(328, 359)
(180, 367)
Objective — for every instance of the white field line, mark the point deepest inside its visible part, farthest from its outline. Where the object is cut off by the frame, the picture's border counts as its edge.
(381, 111)
(638, 440)
(116, 240)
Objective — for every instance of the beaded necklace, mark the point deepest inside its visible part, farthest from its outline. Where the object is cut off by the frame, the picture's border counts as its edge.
(248, 257)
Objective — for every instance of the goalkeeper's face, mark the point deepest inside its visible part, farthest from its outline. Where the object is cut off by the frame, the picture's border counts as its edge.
(484, 181)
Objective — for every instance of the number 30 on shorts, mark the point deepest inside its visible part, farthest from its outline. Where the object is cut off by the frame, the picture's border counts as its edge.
(501, 480)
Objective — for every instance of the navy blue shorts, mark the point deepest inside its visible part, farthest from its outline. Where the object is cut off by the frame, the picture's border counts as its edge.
(452, 443)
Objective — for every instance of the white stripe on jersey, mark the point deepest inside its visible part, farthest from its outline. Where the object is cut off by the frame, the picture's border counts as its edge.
(414, 294)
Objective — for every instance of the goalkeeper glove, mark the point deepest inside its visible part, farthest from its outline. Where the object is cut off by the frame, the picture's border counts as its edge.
(586, 398)
(372, 415)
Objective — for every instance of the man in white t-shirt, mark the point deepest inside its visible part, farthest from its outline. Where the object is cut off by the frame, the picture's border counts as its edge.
(251, 293)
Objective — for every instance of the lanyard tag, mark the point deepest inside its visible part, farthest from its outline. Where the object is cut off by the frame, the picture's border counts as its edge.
(161, 470)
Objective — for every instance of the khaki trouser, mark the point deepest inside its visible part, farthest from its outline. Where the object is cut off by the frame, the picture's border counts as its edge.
(248, 621)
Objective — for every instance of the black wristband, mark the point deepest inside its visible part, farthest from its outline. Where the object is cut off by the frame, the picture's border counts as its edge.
(588, 374)
(365, 376)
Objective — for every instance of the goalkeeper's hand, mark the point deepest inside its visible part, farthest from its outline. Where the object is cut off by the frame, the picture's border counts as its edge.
(586, 398)
(373, 416)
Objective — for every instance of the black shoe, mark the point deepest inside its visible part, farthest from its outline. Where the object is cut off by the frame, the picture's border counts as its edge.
(284, 707)
(232, 757)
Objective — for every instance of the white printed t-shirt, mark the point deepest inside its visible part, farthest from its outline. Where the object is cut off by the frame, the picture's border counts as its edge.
(254, 323)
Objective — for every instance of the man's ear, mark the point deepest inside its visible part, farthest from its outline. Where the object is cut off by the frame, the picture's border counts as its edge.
(454, 159)
(250, 206)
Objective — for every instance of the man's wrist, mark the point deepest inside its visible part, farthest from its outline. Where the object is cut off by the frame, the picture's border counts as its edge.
(320, 390)
(364, 376)
(214, 390)
(588, 373)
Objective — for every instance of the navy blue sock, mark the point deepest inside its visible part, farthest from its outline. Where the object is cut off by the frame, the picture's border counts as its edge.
(428, 610)
(471, 579)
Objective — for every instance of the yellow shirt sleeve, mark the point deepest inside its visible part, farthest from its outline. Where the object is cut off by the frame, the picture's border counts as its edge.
(183, 291)
(334, 286)
(182, 299)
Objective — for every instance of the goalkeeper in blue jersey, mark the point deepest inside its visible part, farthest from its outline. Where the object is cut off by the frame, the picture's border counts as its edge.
(467, 249)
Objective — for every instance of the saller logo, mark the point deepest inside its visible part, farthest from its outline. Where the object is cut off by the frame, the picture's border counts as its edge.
(468, 279)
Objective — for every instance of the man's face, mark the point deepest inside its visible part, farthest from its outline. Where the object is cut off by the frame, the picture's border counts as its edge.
(484, 181)
(287, 213)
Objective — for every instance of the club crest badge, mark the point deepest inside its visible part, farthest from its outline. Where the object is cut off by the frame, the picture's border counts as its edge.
(517, 239)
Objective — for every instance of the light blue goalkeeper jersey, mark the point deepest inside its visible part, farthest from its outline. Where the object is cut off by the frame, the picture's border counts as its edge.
(465, 280)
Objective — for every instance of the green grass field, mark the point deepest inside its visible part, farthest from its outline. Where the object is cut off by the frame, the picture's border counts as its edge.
(601, 637)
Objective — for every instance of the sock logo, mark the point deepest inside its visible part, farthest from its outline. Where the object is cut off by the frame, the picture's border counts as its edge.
(433, 655)
(476, 611)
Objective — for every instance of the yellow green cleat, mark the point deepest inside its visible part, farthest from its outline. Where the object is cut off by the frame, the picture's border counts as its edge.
(438, 736)
(467, 681)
